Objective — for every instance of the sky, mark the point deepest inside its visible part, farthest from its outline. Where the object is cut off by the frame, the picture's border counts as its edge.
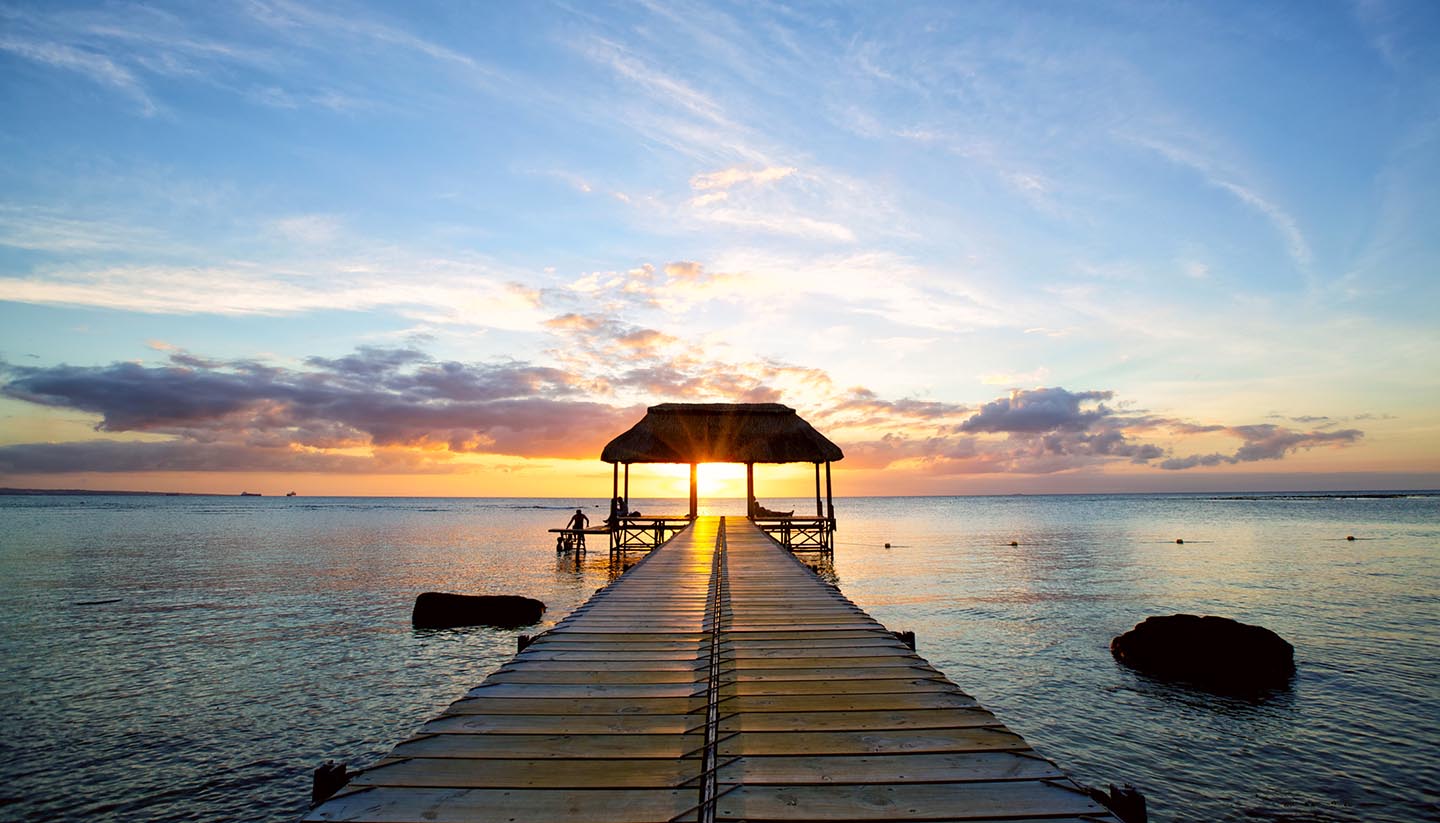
(443, 248)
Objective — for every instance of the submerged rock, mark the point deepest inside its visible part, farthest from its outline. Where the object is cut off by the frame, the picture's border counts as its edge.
(441, 610)
(1215, 652)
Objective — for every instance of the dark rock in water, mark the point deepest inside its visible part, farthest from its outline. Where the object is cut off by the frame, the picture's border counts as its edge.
(1215, 652)
(439, 610)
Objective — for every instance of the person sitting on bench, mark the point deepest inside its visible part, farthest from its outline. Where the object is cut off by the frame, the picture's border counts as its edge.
(761, 511)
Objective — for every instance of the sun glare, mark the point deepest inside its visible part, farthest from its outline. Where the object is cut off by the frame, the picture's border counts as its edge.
(715, 480)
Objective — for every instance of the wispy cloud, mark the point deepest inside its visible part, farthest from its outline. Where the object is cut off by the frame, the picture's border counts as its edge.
(435, 290)
(97, 67)
(49, 230)
(1297, 247)
(270, 52)
(1033, 377)
(726, 178)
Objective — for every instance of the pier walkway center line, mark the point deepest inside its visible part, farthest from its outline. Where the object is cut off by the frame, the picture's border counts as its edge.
(718, 679)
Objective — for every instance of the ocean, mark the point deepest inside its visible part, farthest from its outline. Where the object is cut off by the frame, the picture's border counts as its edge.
(194, 658)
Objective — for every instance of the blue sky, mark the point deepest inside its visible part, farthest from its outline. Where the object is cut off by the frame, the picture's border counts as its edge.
(1164, 223)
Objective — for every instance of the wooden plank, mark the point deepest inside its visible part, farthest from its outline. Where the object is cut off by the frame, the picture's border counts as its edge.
(763, 675)
(838, 634)
(826, 657)
(538, 674)
(578, 690)
(532, 774)
(526, 746)
(887, 768)
(815, 630)
(949, 718)
(893, 741)
(684, 655)
(417, 805)
(592, 706)
(877, 686)
(744, 656)
(847, 702)
(918, 801)
(744, 647)
(591, 642)
(563, 723)
(606, 664)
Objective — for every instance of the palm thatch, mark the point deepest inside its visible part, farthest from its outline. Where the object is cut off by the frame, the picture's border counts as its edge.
(721, 433)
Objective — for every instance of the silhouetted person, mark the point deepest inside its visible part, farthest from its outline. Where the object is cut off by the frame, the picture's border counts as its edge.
(578, 523)
(617, 511)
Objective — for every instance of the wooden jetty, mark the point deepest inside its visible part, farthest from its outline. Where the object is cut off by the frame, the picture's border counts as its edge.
(718, 679)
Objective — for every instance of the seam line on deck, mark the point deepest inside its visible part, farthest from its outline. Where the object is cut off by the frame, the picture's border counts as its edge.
(708, 764)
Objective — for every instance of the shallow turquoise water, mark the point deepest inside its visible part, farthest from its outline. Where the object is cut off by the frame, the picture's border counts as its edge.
(254, 638)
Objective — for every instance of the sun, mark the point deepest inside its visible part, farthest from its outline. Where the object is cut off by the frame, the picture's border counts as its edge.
(718, 480)
(714, 480)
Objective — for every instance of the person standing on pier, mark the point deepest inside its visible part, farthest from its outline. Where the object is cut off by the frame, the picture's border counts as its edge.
(578, 523)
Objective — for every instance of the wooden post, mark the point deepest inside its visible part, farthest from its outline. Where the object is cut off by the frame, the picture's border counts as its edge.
(329, 778)
(829, 499)
(628, 508)
(829, 529)
(750, 490)
(694, 491)
(819, 512)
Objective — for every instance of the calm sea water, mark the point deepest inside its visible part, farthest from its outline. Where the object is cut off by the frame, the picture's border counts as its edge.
(250, 639)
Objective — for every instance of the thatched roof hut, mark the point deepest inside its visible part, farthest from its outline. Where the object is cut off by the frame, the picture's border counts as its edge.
(721, 433)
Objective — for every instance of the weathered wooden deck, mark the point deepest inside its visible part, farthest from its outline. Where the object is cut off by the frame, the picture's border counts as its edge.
(718, 679)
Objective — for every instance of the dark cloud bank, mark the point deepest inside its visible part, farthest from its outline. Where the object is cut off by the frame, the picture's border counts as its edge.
(243, 415)
(408, 412)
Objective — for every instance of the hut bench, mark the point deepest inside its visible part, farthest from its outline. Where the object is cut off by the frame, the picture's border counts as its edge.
(644, 533)
(799, 533)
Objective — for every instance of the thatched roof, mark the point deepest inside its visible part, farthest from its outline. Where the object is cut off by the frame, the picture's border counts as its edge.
(721, 433)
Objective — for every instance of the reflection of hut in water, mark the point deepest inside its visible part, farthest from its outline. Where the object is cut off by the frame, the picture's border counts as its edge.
(748, 433)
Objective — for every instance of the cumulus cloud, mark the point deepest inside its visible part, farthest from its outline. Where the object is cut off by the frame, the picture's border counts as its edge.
(1265, 441)
(1039, 410)
(1054, 429)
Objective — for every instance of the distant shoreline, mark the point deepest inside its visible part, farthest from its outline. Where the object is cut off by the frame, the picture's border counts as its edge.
(87, 492)
(1376, 494)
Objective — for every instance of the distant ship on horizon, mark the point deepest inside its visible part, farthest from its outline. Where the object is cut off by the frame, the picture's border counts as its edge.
(251, 494)
(290, 494)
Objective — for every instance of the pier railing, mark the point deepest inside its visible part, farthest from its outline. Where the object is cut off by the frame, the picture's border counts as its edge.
(800, 533)
(644, 533)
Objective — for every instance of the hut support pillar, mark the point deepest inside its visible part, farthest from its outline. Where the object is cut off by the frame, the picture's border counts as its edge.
(750, 490)
(615, 489)
(694, 491)
(829, 498)
(828, 528)
(819, 511)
